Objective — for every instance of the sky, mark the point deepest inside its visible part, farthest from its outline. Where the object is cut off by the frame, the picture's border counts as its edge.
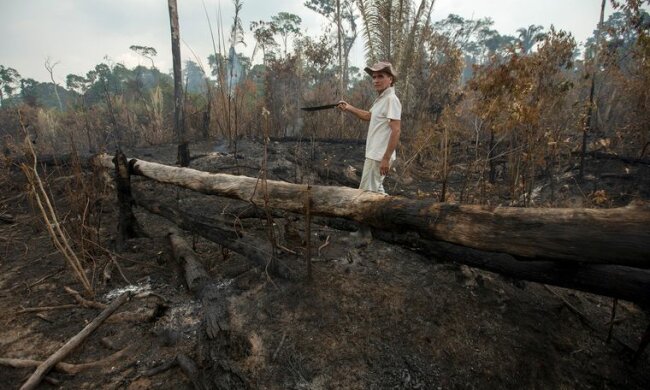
(76, 35)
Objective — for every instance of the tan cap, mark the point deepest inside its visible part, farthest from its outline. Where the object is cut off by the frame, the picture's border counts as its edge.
(382, 66)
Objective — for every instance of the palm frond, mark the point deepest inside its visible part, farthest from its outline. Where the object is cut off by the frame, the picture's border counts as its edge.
(368, 18)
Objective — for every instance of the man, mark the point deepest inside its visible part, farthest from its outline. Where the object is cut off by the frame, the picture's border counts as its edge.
(383, 129)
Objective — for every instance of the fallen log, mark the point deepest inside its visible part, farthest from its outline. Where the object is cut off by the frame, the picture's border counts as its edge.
(195, 274)
(630, 284)
(607, 236)
(219, 231)
(73, 343)
(214, 349)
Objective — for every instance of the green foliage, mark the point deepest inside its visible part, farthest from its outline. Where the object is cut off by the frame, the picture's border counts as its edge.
(287, 25)
(195, 78)
(145, 51)
(263, 32)
(9, 81)
(37, 94)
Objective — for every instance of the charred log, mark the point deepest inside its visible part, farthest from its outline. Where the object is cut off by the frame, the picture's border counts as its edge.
(215, 348)
(626, 283)
(606, 236)
(128, 225)
(219, 230)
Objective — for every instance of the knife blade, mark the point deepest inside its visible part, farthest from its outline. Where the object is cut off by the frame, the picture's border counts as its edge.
(317, 108)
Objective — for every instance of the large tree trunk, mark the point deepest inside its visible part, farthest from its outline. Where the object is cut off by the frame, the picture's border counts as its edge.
(179, 125)
(588, 124)
(631, 284)
(607, 236)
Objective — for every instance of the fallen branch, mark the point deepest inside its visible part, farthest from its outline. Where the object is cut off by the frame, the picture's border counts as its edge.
(66, 368)
(7, 218)
(83, 301)
(256, 250)
(134, 316)
(327, 242)
(161, 368)
(583, 318)
(74, 342)
(188, 367)
(195, 274)
(45, 308)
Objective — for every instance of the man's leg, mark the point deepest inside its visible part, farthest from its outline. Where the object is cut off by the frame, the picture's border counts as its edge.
(371, 180)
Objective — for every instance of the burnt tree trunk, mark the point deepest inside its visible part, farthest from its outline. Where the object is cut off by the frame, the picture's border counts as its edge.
(218, 340)
(179, 123)
(631, 284)
(607, 236)
(127, 225)
(218, 231)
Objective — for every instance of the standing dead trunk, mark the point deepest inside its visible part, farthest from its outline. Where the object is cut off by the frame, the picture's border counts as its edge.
(50, 69)
(179, 123)
(127, 225)
(587, 128)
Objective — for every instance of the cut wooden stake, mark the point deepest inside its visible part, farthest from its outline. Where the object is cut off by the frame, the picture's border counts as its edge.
(308, 231)
(74, 342)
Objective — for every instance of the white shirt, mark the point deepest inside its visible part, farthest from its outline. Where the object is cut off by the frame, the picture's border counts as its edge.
(385, 108)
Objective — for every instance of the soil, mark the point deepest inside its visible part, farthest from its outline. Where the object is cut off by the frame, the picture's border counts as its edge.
(374, 317)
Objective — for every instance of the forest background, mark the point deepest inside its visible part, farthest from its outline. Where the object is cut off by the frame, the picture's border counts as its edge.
(511, 109)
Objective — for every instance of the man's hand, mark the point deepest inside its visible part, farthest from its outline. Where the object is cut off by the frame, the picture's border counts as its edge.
(347, 107)
(384, 166)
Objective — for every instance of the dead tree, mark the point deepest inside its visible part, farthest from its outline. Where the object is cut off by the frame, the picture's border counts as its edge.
(179, 122)
(605, 236)
(127, 225)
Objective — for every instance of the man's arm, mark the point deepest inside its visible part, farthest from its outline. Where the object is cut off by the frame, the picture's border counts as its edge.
(393, 140)
(359, 113)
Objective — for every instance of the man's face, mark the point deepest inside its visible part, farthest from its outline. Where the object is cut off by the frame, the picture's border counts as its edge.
(381, 81)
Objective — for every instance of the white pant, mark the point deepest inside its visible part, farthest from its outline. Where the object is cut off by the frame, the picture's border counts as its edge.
(371, 178)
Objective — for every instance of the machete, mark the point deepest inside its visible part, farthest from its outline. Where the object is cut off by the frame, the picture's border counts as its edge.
(317, 108)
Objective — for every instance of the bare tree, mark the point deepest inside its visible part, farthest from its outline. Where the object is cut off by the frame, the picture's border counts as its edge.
(594, 66)
(50, 68)
(179, 125)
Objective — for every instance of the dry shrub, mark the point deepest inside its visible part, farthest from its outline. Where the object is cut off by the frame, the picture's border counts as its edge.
(153, 132)
(52, 221)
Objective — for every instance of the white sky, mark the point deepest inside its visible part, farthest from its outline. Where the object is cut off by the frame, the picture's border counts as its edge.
(78, 34)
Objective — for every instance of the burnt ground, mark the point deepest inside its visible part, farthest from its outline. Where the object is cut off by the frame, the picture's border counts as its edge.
(379, 317)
